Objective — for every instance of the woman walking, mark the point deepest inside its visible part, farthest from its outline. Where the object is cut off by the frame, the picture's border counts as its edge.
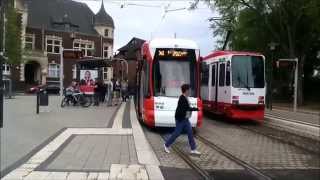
(182, 115)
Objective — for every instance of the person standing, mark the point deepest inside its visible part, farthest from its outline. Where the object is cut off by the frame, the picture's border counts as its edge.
(116, 91)
(182, 115)
(103, 92)
(124, 90)
(109, 92)
(97, 92)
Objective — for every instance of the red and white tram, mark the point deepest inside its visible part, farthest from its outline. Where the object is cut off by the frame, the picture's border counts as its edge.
(166, 64)
(233, 84)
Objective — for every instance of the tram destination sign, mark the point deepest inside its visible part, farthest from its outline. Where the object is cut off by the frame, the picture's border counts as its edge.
(174, 53)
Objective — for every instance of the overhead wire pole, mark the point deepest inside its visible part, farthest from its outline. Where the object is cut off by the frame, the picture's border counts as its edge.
(2, 16)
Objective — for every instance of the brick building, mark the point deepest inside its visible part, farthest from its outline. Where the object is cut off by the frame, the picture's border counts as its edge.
(131, 52)
(48, 25)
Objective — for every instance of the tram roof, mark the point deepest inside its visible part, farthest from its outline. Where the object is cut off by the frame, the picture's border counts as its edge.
(173, 43)
(223, 53)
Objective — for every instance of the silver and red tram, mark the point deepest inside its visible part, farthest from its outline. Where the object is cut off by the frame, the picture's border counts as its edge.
(165, 65)
(233, 84)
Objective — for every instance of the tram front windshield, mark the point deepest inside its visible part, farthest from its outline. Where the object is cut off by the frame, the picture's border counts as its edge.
(171, 69)
(247, 72)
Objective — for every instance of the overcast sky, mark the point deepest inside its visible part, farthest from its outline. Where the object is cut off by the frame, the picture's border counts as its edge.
(149, 22)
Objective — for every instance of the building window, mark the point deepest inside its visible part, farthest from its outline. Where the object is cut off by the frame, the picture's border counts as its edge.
(74, 71)
(105, 73)
(86, 46)
(54, 70)
(105, 51)
(106, 32)
(29, 41)
(6, 69)
(53, 44)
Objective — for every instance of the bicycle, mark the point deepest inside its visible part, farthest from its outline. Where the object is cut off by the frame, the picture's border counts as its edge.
(76, 98)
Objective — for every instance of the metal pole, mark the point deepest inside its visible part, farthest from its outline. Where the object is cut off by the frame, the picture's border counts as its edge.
(1, 90)
(270, 86)
(296, 86)
(4, 30)
(38, 103)
(61, 72)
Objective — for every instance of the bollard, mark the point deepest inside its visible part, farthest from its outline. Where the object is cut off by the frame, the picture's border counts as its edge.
(38, 99)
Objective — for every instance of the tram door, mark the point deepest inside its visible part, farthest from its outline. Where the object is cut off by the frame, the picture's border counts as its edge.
(221, 93)
(213, 84)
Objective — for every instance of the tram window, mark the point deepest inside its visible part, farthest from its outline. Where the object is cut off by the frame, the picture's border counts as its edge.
(205, 74)
(213, 76)
(228, 74)
(222, 73)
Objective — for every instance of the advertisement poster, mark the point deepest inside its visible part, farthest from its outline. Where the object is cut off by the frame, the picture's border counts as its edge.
(87, 80)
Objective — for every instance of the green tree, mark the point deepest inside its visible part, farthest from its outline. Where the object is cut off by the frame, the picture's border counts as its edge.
(293, 24)
(13, 35)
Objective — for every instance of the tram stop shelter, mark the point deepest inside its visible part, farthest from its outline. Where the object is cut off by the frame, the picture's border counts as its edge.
(89, 70)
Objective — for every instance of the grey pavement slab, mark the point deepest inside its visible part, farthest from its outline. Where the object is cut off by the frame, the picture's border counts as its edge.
(126, 123)
(24, 130)
(92, 153)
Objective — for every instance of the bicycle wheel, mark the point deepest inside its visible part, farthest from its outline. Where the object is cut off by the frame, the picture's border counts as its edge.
(85, 101)
(64, 102)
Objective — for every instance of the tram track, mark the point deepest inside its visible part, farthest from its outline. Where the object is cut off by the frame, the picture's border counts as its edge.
(204, 174)
(251, 169)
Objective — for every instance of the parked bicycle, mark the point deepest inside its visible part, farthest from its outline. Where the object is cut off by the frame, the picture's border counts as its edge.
(75, 98)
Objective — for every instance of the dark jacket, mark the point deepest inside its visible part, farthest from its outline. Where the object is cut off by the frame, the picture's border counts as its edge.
(182, 108)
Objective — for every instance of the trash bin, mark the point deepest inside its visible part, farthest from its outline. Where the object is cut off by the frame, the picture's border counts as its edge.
(43, 98)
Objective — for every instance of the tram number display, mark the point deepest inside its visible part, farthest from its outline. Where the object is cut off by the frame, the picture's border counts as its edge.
(172, 53)
(248, 93)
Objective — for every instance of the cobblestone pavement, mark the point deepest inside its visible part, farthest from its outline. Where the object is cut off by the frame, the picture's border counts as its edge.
(209, 158)
(166, 160)
(256, 149)
(285, 135)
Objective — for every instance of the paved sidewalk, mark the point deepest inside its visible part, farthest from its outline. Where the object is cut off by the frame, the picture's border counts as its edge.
(304, 124)
(25, 131)
(118, 152)
(310, 118)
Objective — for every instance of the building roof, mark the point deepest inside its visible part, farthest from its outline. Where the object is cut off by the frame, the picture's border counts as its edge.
(61, 15)
(173, 43)
(103, 18)
(129, 50)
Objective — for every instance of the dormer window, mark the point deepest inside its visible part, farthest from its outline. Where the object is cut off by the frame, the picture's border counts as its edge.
(106, 32)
